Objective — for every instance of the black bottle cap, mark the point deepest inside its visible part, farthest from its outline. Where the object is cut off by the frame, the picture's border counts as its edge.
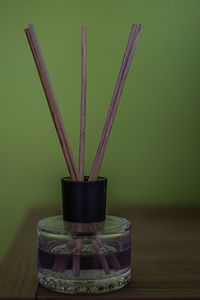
(84, 201)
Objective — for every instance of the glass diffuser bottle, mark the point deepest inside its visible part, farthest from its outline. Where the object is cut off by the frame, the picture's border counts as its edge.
(84, 250)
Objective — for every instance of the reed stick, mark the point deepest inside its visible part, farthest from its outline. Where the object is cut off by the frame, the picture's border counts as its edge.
(102, 258)
(127, 51)
(97, 243)
(97, 166)
(60, 263)
(76, 258)
(52, 102)
(83, 107)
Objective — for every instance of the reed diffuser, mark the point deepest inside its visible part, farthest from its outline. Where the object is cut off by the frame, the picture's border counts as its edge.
(83, 250)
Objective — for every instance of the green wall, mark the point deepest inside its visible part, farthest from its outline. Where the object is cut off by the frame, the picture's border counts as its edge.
(153, 153)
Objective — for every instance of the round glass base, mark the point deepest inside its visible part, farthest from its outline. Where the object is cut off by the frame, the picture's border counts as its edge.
(65, 282)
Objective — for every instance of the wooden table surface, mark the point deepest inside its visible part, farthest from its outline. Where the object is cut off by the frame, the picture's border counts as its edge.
(165, 257)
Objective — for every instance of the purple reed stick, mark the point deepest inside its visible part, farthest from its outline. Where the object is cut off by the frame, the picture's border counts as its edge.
(109, 128)
(126, 54)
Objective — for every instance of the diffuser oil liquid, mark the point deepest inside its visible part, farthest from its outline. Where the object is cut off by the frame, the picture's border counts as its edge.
(73, 259)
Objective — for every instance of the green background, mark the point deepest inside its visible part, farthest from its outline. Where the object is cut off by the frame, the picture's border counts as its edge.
(153, 152)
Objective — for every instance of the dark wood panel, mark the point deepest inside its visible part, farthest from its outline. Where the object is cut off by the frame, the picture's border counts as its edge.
(18, 270)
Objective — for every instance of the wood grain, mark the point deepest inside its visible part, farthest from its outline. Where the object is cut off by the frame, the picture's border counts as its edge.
(18, 269)
(165, 257)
